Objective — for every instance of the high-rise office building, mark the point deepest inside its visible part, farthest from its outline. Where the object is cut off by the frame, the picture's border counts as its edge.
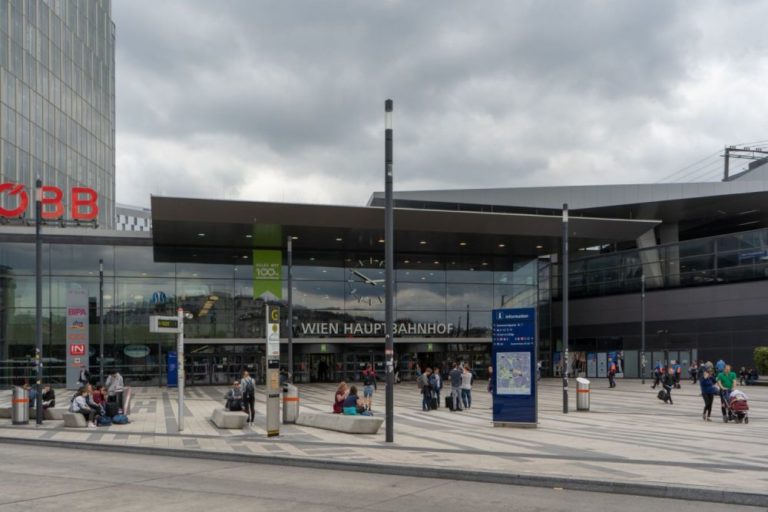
(57, 89)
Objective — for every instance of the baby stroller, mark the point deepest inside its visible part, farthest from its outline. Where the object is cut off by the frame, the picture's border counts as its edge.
(735, 406)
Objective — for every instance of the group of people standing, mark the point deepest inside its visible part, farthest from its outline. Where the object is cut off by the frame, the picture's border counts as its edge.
(430, 384)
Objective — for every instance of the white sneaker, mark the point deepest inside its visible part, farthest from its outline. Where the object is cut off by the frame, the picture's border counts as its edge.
(91, 425)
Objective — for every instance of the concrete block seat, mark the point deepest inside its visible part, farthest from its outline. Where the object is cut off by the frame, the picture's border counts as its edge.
(74, 420)
(341, 422)
(223, 418)
(54, 413)
(48, 414)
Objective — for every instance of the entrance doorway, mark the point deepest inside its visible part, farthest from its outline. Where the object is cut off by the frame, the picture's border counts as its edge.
(322, 367)
(203, 369)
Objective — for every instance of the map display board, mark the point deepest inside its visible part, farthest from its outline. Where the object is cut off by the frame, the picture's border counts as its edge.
(514, 366)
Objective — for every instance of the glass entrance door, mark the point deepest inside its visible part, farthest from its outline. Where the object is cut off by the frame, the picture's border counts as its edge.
(221, 368)
(322, 367)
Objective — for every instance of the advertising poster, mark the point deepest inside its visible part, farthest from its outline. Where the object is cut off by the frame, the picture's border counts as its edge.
(268, 274)
(77, 334)
(592, 365)
(602, 365)
(514, 367)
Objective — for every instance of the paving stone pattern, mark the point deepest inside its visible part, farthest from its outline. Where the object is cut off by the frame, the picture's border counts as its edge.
(627, 436)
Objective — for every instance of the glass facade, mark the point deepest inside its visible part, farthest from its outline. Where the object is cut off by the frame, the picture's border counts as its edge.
(706, 261)
(57, 97)
(442, 305)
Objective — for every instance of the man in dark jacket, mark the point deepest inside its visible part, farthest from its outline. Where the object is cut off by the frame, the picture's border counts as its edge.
(455, 377)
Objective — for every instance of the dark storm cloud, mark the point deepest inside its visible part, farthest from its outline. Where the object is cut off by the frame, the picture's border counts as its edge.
(486, 93)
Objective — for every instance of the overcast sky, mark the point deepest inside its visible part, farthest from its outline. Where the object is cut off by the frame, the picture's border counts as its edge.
(284, 100)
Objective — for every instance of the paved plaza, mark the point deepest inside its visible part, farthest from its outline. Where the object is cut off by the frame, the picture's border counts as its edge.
(628, 437)
(131, 482)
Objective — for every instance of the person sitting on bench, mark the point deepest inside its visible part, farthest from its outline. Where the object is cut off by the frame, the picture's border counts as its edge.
(79, 405)
(49, 397)
(353, 405)
(235, 397)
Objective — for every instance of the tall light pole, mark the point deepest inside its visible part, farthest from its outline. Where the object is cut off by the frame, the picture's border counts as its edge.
(39, 299)
(565, 308)
(389, 257)
(290, 308)
(101, 321)
(642, 327)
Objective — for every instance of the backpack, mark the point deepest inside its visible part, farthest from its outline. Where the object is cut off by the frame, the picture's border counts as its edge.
(250, 390)
(103, 421)
(120, 419)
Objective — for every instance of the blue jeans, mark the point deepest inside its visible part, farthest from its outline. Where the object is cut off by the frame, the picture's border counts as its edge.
(456, 397)
(466, 398)
(425, 397)
(437, 395)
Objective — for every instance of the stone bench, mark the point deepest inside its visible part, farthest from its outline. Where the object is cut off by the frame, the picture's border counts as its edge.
(74, 420)
(53, 413)
(223, 418)
(340, 422)
(48, 414)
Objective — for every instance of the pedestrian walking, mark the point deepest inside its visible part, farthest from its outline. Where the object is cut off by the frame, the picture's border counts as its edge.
(612, 373)
(693, 372)
(369, 386)
(248, 389)
(466, 387)
(657, 374)
(84, 377)
(490, 379)
(115, 388)
(668, 382)
(455, 376)
(425, 388)
(437, 385)
(719, 367)
(725, 381)
(678, 373)
(709, 390)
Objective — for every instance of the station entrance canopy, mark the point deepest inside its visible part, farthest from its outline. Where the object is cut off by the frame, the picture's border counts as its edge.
(222, 231)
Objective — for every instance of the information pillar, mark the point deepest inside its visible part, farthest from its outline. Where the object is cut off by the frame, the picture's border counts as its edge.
(273, 371)
(514, 367)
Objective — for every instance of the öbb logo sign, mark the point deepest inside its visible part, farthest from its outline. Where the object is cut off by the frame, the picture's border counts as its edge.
(83, 202)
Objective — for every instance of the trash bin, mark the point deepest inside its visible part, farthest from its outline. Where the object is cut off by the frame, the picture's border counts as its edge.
(290, 403)
(20, 406)
(582, 394)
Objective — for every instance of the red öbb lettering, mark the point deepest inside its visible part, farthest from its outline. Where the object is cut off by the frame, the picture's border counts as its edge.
(83, 202)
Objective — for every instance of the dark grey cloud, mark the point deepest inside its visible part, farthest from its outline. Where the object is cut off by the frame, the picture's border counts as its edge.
(275, 99)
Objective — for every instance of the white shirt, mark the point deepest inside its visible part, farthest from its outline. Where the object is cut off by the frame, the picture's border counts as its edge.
(466, 380)
(79, 404)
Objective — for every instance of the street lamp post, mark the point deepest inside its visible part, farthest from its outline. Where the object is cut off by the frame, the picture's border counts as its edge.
(290, 308)
(565, 308)
(642, 327)
(39, 299)
(389, 256)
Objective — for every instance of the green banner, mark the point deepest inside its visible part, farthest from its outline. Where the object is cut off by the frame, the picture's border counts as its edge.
(268, 274)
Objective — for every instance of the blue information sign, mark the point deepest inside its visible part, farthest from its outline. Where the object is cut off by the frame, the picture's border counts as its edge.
(172, 360)
(514, 366)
